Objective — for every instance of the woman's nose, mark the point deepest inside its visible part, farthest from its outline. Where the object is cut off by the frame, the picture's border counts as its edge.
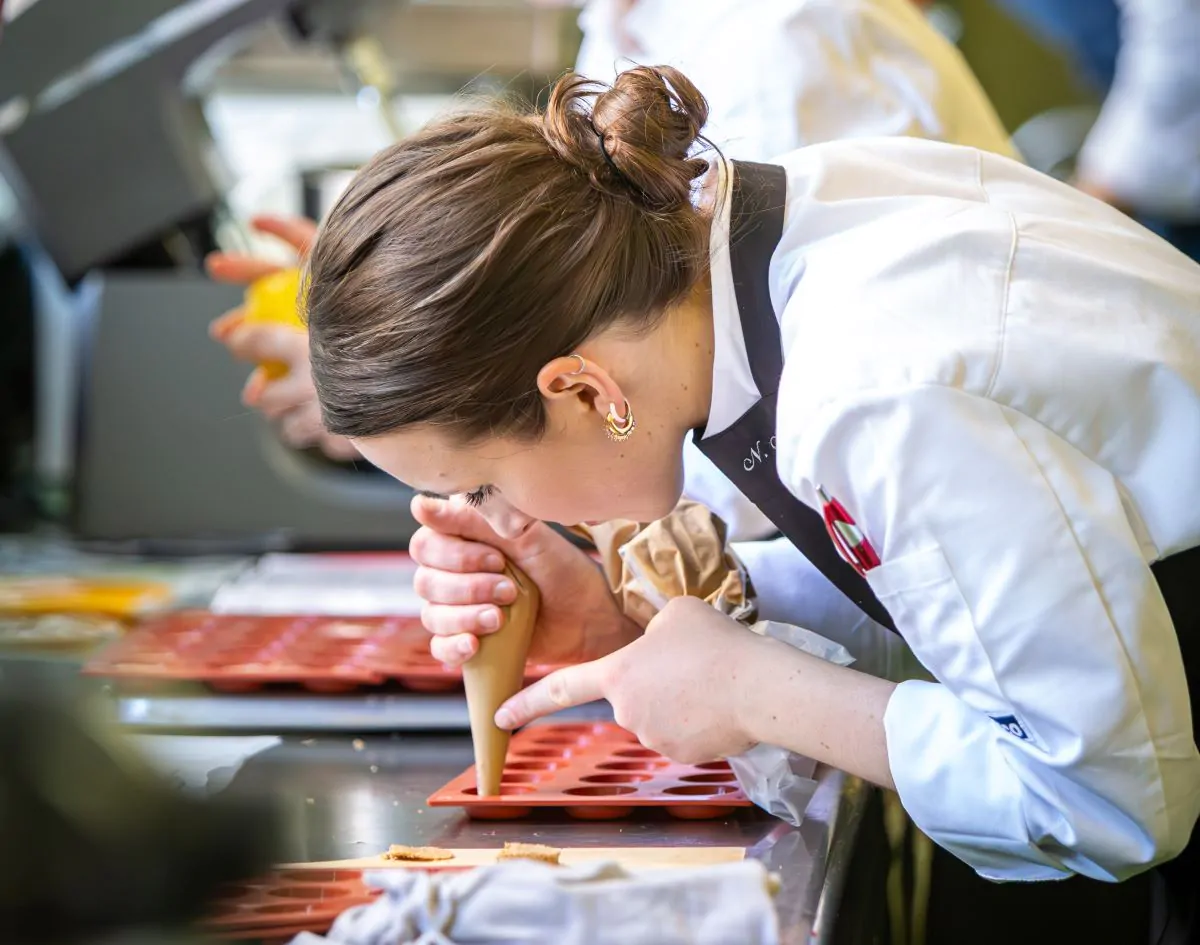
(509, 522)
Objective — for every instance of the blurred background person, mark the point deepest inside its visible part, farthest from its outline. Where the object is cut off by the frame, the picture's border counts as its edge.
(1143, 153)
(780, 76)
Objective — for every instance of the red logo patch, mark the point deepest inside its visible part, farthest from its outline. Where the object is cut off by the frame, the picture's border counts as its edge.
(850, 542)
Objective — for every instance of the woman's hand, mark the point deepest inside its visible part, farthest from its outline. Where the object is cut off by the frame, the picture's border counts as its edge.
(699, 686)
(680, 688)
(460, 577)
(290, 401)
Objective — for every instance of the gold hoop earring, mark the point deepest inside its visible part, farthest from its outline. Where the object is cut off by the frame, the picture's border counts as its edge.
(618, 428)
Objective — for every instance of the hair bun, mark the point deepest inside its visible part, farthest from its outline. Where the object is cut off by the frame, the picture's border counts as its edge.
(636, 138)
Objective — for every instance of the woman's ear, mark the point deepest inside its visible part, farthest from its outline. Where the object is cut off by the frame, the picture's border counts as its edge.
(574, 377)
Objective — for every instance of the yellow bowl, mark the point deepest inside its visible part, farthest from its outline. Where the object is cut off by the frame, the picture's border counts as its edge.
(274, 299)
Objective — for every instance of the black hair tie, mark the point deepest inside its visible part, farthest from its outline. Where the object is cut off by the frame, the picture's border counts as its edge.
(620, 175)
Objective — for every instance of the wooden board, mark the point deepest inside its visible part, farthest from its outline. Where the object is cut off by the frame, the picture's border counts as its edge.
(629, 857)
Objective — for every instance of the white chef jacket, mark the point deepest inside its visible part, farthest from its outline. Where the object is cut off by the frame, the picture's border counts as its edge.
(999, 379)
(1145, 146)
(781, 74)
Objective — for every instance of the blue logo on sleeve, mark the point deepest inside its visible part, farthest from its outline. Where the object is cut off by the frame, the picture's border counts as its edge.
(1010, 724)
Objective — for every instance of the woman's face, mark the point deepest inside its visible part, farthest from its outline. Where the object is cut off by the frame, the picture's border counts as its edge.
(574, 473)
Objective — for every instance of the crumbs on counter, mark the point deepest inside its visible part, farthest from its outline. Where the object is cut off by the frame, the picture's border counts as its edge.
(398, 851)
(530, 851)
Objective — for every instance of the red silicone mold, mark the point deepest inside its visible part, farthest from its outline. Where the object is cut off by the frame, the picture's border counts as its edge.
(594, 772)
(240, 653)
(287, 900)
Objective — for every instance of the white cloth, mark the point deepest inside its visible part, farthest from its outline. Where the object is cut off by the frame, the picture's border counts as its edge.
(999, 378)
(781, 74)
(536, 904)
(1145, 146)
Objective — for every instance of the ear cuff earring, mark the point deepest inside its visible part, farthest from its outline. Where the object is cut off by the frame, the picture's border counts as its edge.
(618, 428)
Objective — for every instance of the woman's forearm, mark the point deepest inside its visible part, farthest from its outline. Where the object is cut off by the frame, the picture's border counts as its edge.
(812, 707)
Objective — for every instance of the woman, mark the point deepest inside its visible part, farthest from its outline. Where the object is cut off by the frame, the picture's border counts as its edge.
(994, 376)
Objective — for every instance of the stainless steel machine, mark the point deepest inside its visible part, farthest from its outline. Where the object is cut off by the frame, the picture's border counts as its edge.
(168, 458)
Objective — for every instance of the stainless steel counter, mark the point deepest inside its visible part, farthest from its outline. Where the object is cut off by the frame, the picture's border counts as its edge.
(343, 797)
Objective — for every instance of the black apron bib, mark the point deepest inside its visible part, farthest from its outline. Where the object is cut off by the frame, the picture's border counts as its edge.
(745, 453)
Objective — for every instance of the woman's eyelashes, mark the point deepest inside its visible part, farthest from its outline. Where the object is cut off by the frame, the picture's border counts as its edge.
(479, 496)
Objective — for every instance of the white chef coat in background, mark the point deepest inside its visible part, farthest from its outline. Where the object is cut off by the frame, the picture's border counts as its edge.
(781, 74)
(999, 378)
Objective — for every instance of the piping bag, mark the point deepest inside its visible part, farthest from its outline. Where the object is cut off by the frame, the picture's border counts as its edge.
(688, 554)
(495, 673)
(685, 554)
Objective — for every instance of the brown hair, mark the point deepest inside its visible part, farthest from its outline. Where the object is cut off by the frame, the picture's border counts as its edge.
(461, 260)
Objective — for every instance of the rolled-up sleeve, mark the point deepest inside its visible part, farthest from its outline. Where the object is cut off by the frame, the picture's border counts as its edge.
(1058, 737)
(1145, 146)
